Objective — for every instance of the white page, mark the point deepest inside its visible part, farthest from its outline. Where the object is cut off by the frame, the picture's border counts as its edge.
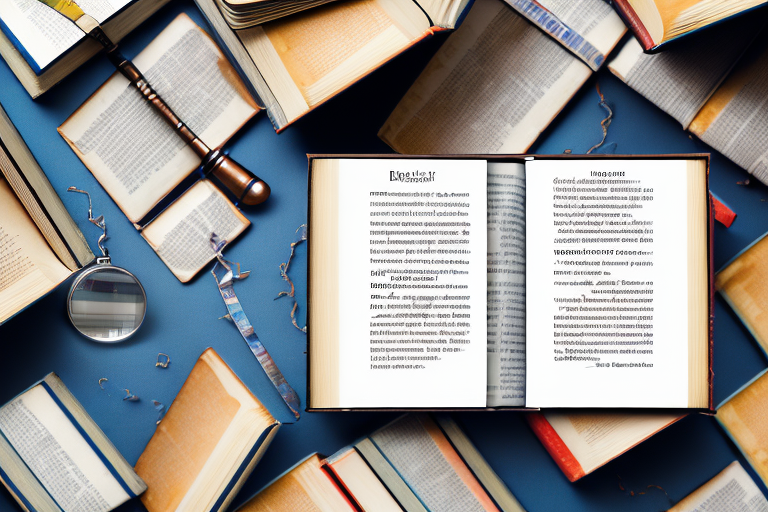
(377, 309)
(58, 455)
(592, 316)
(44, 33)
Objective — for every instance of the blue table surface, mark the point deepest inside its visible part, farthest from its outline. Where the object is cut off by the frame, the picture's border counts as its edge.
(182, 319)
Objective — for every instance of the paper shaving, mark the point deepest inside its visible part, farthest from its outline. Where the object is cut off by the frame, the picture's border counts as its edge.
(301, 236)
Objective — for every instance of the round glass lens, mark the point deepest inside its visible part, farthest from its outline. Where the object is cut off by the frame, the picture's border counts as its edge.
(107, 304)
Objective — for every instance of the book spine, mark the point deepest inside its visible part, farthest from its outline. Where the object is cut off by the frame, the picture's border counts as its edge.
(711, 234)
(555, 446)
(632, 20)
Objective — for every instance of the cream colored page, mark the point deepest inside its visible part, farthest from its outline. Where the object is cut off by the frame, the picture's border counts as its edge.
(58, 455)
(595, 438)
(363, 484)
(28, 266)
(506, 284)
(181, 234)
(128, 146)
(319, 52)
(493, 87)
(680, 82)
(735, 120)
(731, 489)
(687, 15)
(45, 34)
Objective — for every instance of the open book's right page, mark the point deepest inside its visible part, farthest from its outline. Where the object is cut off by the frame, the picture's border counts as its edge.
(735, 119)
(616, 283)
(680, 80)
(731, 489)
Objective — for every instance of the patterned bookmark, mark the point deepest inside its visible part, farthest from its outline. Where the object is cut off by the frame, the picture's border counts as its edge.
(226, 272)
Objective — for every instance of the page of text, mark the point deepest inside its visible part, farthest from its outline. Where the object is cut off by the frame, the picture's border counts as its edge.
(731, 489)
(58, 455)
(506, 284)
(607, 283)
(412, 268)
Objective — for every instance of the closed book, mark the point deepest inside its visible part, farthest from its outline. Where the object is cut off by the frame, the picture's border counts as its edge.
(54, 458)
(477, 281)
(209, 442)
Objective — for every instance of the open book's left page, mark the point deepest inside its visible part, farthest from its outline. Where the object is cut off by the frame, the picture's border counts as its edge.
(43, 35)
(398, 294)
(129, 147)
(28, 267)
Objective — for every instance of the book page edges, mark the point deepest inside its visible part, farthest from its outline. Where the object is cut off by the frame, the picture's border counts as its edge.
(35, 192)
(96, 435)
(634, 23)
(21, 483)
(699, 285)
(116, 28)
(323, 276)
(555, 446)
(487, 477)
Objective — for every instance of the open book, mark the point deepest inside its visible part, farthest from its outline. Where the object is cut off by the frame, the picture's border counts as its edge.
(143, 163)
(415, 464)
(731, 489)
(581, 442)
(697, 84)
(296, 63)
(499, 81)
(40, 244)
(42, 47)
(509, 281)
(214, 434)
(657, 22)
(54, 458)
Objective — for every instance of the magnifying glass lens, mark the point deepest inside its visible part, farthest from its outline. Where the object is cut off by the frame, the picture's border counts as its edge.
(107, 304)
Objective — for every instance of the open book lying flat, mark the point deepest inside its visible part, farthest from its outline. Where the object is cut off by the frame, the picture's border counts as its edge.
(509, 281)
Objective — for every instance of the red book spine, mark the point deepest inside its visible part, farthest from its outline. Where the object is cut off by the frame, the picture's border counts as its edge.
(630, 17)
(555, 446)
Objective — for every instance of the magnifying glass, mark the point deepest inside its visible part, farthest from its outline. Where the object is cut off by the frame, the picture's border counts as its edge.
(106, 303)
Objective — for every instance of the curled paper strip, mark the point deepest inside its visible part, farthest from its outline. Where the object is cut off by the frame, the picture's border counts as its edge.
(301, 236)
(226, 272)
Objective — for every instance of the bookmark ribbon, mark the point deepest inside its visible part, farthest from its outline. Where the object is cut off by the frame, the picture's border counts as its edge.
(226, 273)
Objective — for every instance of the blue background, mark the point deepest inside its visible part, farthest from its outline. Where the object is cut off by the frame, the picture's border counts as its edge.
(182, 320)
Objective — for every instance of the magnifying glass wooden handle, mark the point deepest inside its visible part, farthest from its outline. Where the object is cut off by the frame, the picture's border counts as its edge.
(248, 188)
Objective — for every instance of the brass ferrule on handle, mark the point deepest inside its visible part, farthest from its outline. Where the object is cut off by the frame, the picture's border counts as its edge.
(244, 185)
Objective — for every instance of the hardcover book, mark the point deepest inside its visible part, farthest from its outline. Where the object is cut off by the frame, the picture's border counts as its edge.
(42, 47)
(657, 22)
(743, 417)
(415, 464)
(40, 244)
(294, 64)
(499, 80)
(448, 301)
(708, 87)
(209, 442)
(581, 442)
(142, 162)
(731, 489)
(54, 458)
(742, 284)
